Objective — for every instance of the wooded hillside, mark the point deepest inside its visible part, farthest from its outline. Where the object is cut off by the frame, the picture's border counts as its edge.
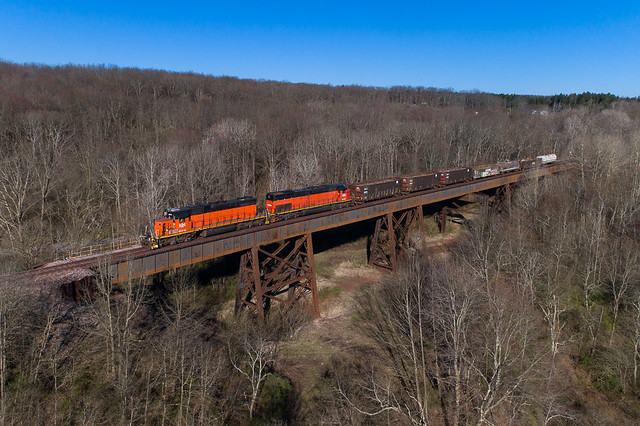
(532, 316)
(93, 152)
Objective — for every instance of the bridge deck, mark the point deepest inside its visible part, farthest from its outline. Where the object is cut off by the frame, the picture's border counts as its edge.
(153, 261)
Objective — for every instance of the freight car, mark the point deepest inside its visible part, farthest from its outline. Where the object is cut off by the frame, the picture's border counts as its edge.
(458, 174)
(508, 166)
(546, 159)
(283, 204)
(420, 182)
(185, 223)
(369, 191)
(480, 172)
(540, 160)
(528, 163)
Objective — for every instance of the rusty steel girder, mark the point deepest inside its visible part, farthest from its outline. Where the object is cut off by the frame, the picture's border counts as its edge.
(285, 275)
(503, 196)
(391, 237)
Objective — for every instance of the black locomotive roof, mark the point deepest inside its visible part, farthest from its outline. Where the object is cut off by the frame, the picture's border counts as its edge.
(292, 193)
(184, 212)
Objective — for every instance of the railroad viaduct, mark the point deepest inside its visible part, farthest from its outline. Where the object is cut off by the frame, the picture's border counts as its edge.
(277, 262)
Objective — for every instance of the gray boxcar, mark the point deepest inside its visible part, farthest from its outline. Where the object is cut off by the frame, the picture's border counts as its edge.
(509, 166)
(420, 182)
(369, 191)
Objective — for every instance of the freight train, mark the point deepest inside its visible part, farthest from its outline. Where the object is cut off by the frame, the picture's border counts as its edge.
(205, 219)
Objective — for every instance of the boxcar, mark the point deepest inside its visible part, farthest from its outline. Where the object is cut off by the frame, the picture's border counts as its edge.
(314, 197)
(485, 171)
(528, 163)
(420, 182)
(369, 191)
(458, 174)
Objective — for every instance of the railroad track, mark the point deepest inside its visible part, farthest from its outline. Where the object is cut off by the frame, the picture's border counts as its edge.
(58, 270)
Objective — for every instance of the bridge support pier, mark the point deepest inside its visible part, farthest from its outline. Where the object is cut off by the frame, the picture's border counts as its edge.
(443, 219)
(503, 195)
(480, 198)
(391, 237)
(284, 275)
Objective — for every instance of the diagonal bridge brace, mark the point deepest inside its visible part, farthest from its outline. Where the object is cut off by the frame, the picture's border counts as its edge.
(391, 237)
(285, 275)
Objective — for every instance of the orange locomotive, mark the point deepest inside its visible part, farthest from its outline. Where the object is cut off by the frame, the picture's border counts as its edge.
(283, 204)
(185, 223)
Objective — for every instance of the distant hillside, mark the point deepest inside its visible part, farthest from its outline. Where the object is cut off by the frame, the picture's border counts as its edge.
(531, 316)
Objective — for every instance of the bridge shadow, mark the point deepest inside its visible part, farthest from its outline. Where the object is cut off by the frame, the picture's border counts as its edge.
(335, 237)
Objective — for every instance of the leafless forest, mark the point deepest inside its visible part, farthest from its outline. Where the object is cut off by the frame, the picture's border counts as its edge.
(532, 317)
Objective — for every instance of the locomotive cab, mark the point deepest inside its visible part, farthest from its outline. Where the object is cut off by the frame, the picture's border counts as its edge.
(174, 220)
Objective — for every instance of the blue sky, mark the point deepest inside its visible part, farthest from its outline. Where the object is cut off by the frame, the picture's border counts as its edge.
(537, 47)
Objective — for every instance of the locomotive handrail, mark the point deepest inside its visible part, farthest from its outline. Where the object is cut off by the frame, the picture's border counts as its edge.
(92, 249)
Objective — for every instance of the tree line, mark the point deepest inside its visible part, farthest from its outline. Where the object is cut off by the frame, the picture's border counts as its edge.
(487, 333)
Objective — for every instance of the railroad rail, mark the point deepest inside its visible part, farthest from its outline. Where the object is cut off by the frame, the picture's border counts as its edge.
(394, 215)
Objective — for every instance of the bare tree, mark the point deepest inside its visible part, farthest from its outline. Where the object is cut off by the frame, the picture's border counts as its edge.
(636, 338)
(114, 310)
(453, 316)
(400, 318)
(251, 356)
(591, 238)
(508, 358)
(47, 146)
(8, 304)
(622, 270)
(236, 143)
(155, 180)
(553, 315)
(115, 176)
(17, 198)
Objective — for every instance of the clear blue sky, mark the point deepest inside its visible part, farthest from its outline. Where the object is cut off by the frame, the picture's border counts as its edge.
(526, 47)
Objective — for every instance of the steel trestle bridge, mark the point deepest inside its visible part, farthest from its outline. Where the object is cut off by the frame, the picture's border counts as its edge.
(277, 264)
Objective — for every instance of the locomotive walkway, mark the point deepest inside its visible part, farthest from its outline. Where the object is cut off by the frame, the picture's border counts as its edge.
(277, 263)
